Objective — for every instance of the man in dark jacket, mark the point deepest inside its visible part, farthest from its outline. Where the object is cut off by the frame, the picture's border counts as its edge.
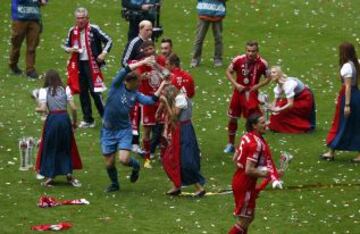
(138, 10)
(88, 46)
(26, 23)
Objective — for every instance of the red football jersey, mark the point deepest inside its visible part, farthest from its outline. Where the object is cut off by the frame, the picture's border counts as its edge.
(249, 73)
(181, 79)
(150, 77)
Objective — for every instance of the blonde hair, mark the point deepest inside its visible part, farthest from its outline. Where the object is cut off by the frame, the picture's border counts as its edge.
(279, 70)
(144, 23)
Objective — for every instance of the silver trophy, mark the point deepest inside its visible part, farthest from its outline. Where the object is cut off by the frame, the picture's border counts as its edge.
(285, 159)
(265, 105)
(23, 152)
(30, 143)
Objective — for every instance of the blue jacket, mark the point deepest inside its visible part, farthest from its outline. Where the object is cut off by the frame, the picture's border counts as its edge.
(212, 10)
(25, 10)
(120, 101)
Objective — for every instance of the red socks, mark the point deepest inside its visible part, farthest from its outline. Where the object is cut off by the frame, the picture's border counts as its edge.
(146, 145)
(237, 229)
(232, 128)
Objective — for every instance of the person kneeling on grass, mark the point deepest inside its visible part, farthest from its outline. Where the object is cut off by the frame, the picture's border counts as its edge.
(58, 154)
(253, 160)
(296, 112)
(116, 132)
(181, 159)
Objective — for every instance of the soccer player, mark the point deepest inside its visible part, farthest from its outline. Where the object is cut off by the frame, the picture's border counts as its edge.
(253, 160)
(116, 133)
(249, 68)
(151, 77)
(296, 112)
(166, 47)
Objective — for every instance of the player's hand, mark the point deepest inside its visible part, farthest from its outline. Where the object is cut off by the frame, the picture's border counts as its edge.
(149, 60)
(101, 57)
(347, 111)
(277, 184)
(239, 87)
(146, 7)
(43, 2)
(72, 50)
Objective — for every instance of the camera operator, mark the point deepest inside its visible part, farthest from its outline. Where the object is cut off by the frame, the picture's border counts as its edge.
(135, 11)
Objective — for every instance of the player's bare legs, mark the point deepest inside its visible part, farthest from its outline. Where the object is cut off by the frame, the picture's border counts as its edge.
(241, 225)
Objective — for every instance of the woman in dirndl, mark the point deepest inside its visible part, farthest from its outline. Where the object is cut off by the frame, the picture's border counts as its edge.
(181, 159)
(58, 154)
(345, 130)
(296, 112)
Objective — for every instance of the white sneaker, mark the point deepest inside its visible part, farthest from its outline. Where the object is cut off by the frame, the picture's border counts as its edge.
(136, 149)
(84, 124)
(75, 183)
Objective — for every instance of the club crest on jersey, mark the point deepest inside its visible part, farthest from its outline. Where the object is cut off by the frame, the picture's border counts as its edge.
(154, 80)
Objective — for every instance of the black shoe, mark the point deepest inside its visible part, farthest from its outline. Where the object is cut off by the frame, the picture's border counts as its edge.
(16, 70)
(174, 192)
(134, 176)
(355, 160)
(200, 194)
(32, 75)
(112, 188)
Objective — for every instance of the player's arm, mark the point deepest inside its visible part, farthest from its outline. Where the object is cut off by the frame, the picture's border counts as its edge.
(149, 100)
(253, 171)
(230, 76)
(125, 70)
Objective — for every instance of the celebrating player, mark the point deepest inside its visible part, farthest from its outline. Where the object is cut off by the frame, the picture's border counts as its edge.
(345, 130)
(151, 77)
(248, 68)
(253, 160)
(116, 133)
(296, 112)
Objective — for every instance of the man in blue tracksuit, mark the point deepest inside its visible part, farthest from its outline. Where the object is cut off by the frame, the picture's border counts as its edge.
(116, 133)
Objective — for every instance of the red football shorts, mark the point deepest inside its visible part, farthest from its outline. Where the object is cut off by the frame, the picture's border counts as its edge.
(243, 104)
(148, 115)
(245, 198)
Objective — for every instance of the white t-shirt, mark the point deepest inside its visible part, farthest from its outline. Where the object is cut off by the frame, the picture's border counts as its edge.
(43, 94)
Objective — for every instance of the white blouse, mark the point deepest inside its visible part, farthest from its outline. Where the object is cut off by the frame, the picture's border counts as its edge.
(43, 94)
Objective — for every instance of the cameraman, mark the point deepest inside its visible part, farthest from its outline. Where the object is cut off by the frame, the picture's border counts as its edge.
(135, 11)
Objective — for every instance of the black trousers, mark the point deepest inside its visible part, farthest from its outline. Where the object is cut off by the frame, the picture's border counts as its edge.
(86, 87)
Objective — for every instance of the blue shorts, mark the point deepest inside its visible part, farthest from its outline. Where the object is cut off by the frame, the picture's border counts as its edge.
(115, 140)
